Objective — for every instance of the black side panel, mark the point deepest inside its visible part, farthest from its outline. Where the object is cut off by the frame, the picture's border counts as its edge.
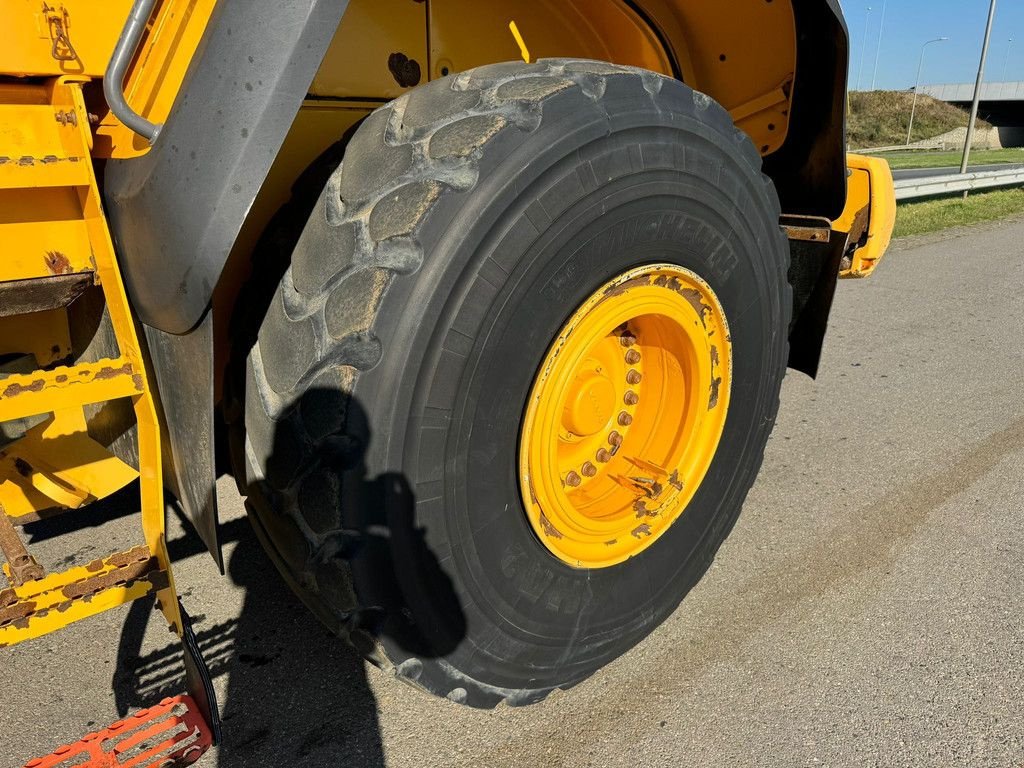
(176, 211)
(809, 170)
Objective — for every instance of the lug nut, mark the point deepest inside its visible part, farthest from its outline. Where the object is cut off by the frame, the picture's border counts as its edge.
(572, 479)
(589, 470)
(603, 456)
(625, 419)
(630, 398)
(627, 339)
(614, 438)
(633, 377)
(632, 357)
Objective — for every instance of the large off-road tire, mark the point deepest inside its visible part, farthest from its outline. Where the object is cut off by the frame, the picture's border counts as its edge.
(386, 391)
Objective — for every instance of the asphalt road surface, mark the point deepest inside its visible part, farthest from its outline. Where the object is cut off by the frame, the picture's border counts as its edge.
(925, 173)
(867, 610)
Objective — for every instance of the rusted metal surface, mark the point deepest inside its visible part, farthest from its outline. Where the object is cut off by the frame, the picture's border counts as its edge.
(406, 71)
(15, 389)
(143, 565)
(23, 566)
(811, 229)
(39, 294)
(57, 263)
(122, 569)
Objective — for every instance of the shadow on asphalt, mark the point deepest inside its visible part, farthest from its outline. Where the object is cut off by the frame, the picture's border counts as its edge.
(296, 693)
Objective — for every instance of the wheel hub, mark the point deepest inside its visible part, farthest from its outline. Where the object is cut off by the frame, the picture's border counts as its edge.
(625, 415)
(590, 402)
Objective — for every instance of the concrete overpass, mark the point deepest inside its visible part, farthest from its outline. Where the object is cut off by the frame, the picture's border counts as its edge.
(1002, 104)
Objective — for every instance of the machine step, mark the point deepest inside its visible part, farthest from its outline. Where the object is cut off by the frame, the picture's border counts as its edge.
(41, 294)
(49, 171)
(67, 386)
(58, 599)
(171, 733)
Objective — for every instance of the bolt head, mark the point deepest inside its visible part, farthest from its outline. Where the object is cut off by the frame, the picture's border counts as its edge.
(627, 339)
(603, 456)
(631, 398)
(614, 438)
(632, 357)
(589, 470)
(625, 419)
(573, 479)
(633, 377)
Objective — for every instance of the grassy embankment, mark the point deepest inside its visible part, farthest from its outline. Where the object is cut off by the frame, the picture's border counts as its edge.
(880, 118)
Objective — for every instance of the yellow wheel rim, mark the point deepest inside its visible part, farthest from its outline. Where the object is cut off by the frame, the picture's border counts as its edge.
(625, 415)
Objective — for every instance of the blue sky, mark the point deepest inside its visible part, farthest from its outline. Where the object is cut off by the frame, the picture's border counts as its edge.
(909, 23)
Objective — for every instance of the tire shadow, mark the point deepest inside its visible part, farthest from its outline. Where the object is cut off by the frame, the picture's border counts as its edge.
(296, 693)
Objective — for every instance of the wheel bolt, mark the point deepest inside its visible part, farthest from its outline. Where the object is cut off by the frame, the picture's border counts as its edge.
(589, 470)
(572, 479)
(614, 438)
(630, 398)
(627, 339)
(632, 357)
(633, 377)
(603, 456)
(625, 419)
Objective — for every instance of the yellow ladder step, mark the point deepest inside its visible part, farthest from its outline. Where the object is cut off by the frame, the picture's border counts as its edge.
(38, 607)
(40, 392)
(28, 172)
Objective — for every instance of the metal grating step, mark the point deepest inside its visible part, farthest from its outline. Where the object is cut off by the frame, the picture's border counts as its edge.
(58, 599)
(68, 386)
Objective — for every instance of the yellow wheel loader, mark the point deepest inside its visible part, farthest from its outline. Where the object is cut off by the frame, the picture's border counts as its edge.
(490, 303)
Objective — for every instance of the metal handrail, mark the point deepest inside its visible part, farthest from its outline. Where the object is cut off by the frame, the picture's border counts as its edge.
(113, 80)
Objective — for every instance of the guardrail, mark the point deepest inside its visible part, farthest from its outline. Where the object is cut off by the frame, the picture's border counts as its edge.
(930, 186)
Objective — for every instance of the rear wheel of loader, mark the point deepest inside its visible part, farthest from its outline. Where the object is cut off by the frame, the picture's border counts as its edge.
(509, 396)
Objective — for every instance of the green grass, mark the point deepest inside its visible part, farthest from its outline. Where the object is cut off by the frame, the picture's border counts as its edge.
(899, 160)
(935, 215)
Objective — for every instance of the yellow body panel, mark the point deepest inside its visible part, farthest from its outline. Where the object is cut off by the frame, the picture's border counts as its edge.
(58, 463)
(870, 214)
(358, 62)
(742, 53)
(44, 335)
(60, 37)
(467, 34)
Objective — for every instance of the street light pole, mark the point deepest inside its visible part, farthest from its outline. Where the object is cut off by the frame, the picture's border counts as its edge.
(864, 47)
(977, 90)
(878, 49)
(917, 87)
(1006, 61)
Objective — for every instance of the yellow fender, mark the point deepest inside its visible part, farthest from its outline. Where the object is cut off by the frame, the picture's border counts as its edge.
(870, 214)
